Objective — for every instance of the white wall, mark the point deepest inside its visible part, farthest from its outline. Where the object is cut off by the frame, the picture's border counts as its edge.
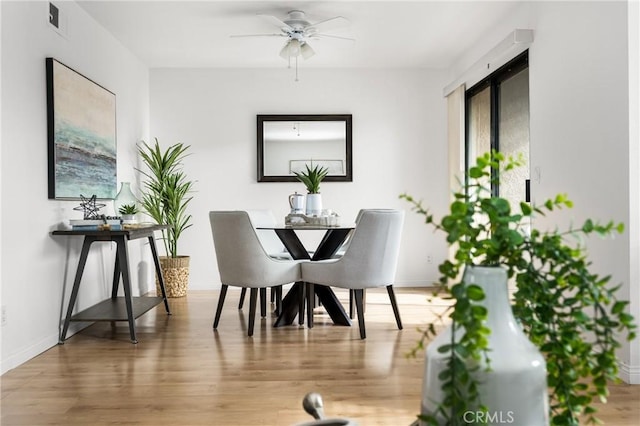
(579, 128)
(633, 360)
(399, 144)
(36, 267)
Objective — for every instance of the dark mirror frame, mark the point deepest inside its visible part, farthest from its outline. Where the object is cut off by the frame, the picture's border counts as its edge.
(347, 118)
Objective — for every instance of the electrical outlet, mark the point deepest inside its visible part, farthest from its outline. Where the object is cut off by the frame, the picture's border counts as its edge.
(4, 316)
(429, 258)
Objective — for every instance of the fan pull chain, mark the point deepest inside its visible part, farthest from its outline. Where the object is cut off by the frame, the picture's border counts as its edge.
(296, 68)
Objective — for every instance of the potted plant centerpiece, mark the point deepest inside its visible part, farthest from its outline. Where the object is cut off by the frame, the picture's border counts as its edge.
(128, 213)
(311, 178)
(482, 369)
(165, 197)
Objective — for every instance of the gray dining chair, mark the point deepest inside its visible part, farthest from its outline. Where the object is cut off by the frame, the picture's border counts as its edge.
(370, 261)
(264, 218)
(243, 261)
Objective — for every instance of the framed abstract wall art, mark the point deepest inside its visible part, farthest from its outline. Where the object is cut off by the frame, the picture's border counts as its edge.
(81, 128)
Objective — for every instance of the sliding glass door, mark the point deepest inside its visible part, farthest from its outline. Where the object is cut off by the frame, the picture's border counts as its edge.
(497, 117)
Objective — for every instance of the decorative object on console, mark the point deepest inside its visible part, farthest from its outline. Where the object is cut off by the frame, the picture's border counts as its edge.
(81, 127)
(92, 219)
(124, 197)
(128, 212)
(105, 223)
(311, 177)
(90, 207)
(165, 197)
(298, 30)
(571, 314)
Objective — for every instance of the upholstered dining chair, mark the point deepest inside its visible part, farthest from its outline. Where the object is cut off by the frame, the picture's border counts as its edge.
(264, 218)
(243, 261)
(370, 261)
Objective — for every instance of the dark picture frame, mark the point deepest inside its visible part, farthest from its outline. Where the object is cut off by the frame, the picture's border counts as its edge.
(81, 135)
(297, 122)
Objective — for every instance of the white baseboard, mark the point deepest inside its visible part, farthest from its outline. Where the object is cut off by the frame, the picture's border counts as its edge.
(629, 373)
(19, 358)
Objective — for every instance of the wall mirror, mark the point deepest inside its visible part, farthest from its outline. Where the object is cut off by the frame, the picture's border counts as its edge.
(287, 143)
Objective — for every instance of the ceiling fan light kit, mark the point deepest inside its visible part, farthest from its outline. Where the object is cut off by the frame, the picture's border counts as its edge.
(297, 29)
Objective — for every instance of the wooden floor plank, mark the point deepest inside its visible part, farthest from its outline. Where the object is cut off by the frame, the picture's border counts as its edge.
(184, 373)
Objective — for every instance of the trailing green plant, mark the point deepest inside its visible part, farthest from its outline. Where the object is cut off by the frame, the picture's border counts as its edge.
(570, 313)
(128, 209)
(311, 178)
(165, 194)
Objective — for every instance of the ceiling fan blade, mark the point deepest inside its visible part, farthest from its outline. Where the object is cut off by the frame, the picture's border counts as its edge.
(257, 35)
(332, 23)
(320, 35)
(275, 21)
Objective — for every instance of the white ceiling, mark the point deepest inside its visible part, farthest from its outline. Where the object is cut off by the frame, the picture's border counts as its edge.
(403, 34)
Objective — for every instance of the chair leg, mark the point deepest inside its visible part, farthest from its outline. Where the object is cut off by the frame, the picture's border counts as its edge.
(301, 302)
(223, 294)
(263, 302)
(243, 292)
(253, 298)
(351, 302)
(310, 303)
(359, 295)
(394, 305)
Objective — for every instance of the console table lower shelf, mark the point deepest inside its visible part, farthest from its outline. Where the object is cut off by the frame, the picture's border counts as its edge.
(116, 309)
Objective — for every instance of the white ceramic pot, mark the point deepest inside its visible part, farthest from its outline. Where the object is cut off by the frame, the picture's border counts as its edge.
(515, 390)
(314, 205)
(128, 219)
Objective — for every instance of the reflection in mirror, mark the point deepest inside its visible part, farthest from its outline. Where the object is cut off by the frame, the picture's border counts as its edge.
(289, 143)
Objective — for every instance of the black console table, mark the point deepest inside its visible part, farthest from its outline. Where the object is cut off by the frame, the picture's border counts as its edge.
(126, 308)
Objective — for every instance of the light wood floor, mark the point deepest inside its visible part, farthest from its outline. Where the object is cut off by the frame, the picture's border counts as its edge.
(184, 373)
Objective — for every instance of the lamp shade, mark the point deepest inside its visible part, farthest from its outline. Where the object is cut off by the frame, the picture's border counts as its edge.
(291, 49)
(306, 51)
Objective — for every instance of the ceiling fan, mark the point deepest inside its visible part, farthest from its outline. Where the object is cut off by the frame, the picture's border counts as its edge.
(298, 31)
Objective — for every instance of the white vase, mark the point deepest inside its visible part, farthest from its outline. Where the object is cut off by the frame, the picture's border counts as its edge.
(515, 390)
(313, 205)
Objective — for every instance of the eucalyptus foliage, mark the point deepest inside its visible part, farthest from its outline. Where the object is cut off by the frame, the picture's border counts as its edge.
(570, 313)
(166, 190)
(311, 178)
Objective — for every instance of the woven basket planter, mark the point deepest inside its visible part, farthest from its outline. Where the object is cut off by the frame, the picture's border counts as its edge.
(175, 271)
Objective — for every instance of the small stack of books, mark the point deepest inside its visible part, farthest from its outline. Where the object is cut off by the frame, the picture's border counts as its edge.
(96, 224)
